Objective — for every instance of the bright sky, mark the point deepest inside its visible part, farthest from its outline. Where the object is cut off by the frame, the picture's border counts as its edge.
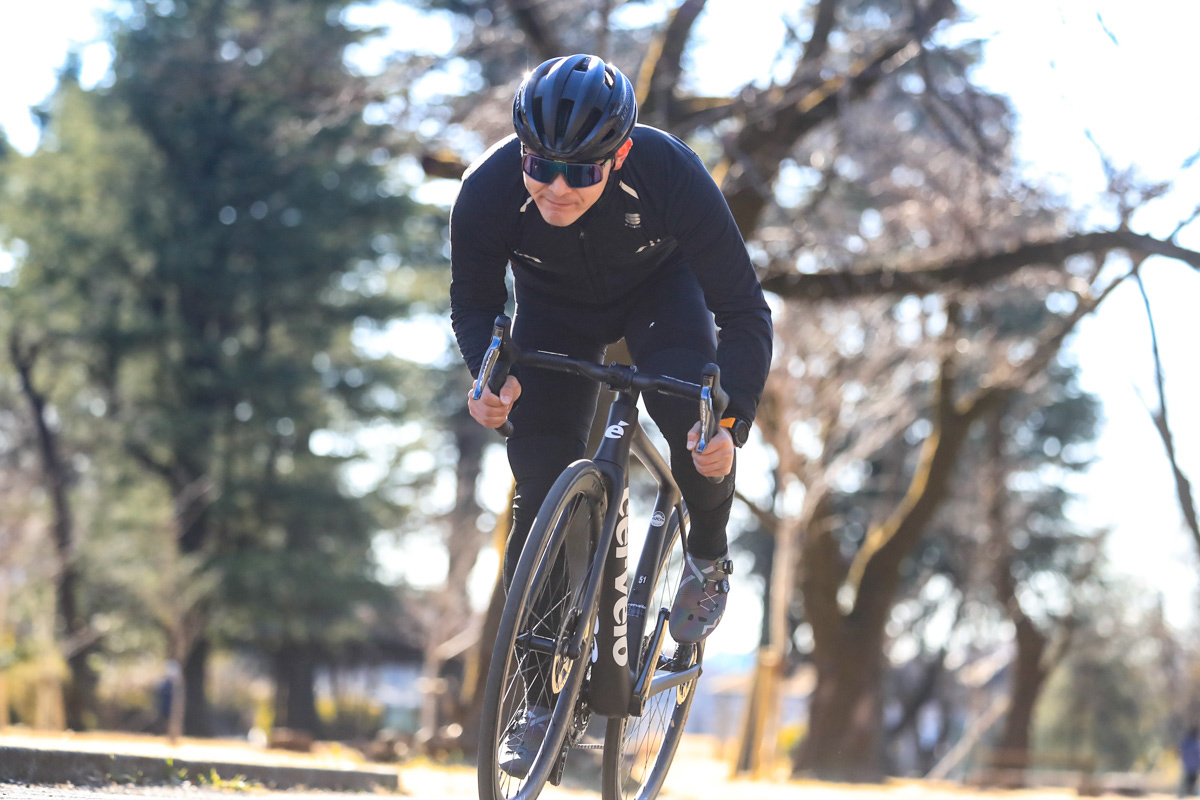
(1116, 69)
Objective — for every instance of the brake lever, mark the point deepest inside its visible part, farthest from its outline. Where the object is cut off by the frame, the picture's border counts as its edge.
(707, 428)
(490, 357)
(493, 372)
(713, 401)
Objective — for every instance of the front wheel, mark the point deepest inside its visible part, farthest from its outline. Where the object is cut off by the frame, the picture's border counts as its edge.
(638, 750)
(531, 665)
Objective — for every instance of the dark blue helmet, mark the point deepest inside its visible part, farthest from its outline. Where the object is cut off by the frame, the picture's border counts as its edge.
(576, 108)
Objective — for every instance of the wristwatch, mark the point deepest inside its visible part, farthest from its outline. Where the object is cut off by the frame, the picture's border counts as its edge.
(739, 429)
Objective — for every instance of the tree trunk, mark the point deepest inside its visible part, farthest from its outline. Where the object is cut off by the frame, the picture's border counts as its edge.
(1028, 677)
(844, 740)
(463, 542)
(191, 497)
(475, 678)
(196, 718)
(295, 697)
(846, 713)
(1028, 670)
(849, 609)
(80, 691)
(476, 673)
(748, 760)
(755, 745)
(758, 742)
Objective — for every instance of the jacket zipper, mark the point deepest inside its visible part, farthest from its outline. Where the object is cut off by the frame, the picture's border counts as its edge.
(593, 276)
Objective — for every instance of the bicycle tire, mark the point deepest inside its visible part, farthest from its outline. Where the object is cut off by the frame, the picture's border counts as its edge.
(580, 488)
(638, 751)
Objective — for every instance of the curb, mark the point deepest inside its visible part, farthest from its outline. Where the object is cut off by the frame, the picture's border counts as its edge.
(31, 765)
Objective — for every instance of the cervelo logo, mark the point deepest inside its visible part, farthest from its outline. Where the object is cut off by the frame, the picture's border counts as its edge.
(616, 431)
(620, 649)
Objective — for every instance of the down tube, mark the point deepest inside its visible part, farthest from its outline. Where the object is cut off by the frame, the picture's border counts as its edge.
(612, 681)
(654, 549)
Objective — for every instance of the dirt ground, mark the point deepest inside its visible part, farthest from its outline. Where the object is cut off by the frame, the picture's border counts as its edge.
(696, 775)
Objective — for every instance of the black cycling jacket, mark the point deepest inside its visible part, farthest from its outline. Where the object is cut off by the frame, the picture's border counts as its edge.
(660, 208)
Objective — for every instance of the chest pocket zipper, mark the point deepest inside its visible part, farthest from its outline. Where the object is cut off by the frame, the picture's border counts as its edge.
(593, 276)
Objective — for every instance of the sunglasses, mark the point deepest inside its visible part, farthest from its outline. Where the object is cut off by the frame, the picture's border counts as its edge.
(578, 175)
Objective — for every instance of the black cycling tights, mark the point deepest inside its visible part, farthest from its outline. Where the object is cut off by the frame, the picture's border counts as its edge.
(669, 331)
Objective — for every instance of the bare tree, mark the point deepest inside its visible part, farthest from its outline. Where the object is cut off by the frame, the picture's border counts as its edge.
(76, 636)
(874, 178)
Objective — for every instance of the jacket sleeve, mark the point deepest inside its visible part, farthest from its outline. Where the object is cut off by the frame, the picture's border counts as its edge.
(700, 219)
(478, 262)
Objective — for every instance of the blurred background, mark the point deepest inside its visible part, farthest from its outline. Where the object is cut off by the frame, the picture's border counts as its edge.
(240, 494)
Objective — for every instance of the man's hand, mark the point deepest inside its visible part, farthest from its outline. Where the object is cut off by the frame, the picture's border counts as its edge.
(489, 410)
(717, 459)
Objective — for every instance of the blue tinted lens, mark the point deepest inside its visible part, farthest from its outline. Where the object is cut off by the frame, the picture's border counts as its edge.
(579, 176)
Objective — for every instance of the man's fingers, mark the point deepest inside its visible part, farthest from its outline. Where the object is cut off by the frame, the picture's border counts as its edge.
(510, 391)
(717, 458)
(491, 410)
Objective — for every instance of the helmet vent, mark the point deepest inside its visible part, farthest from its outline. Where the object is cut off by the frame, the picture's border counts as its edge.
(593, 119)
(563, 117)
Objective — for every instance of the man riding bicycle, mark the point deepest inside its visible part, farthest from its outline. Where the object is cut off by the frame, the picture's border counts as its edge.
(613, 230)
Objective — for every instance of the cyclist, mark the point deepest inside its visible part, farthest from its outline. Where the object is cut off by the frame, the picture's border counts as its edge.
(613, 229)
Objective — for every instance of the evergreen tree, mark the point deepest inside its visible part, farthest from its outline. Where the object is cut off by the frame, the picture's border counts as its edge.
(225, 260)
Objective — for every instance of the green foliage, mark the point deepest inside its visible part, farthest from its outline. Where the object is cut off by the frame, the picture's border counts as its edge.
(205, 252)
(1113, 703)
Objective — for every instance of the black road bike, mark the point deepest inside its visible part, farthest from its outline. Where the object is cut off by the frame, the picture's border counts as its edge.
(577, 626)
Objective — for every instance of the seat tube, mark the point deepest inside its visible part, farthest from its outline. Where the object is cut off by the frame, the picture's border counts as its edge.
(612, 679)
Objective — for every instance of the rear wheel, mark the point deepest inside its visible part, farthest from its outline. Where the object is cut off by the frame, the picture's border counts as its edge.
(532, 665)
(638, 750)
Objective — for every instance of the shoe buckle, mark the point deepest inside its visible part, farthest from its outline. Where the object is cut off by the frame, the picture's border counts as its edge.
(725, 565)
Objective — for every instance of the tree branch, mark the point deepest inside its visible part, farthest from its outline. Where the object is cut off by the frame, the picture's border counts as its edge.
(663, 63)
(772, 131)
(970, 271)
(766, 518)
(823, 21)
(877, 562)
(1183, 487)
(542, 38)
